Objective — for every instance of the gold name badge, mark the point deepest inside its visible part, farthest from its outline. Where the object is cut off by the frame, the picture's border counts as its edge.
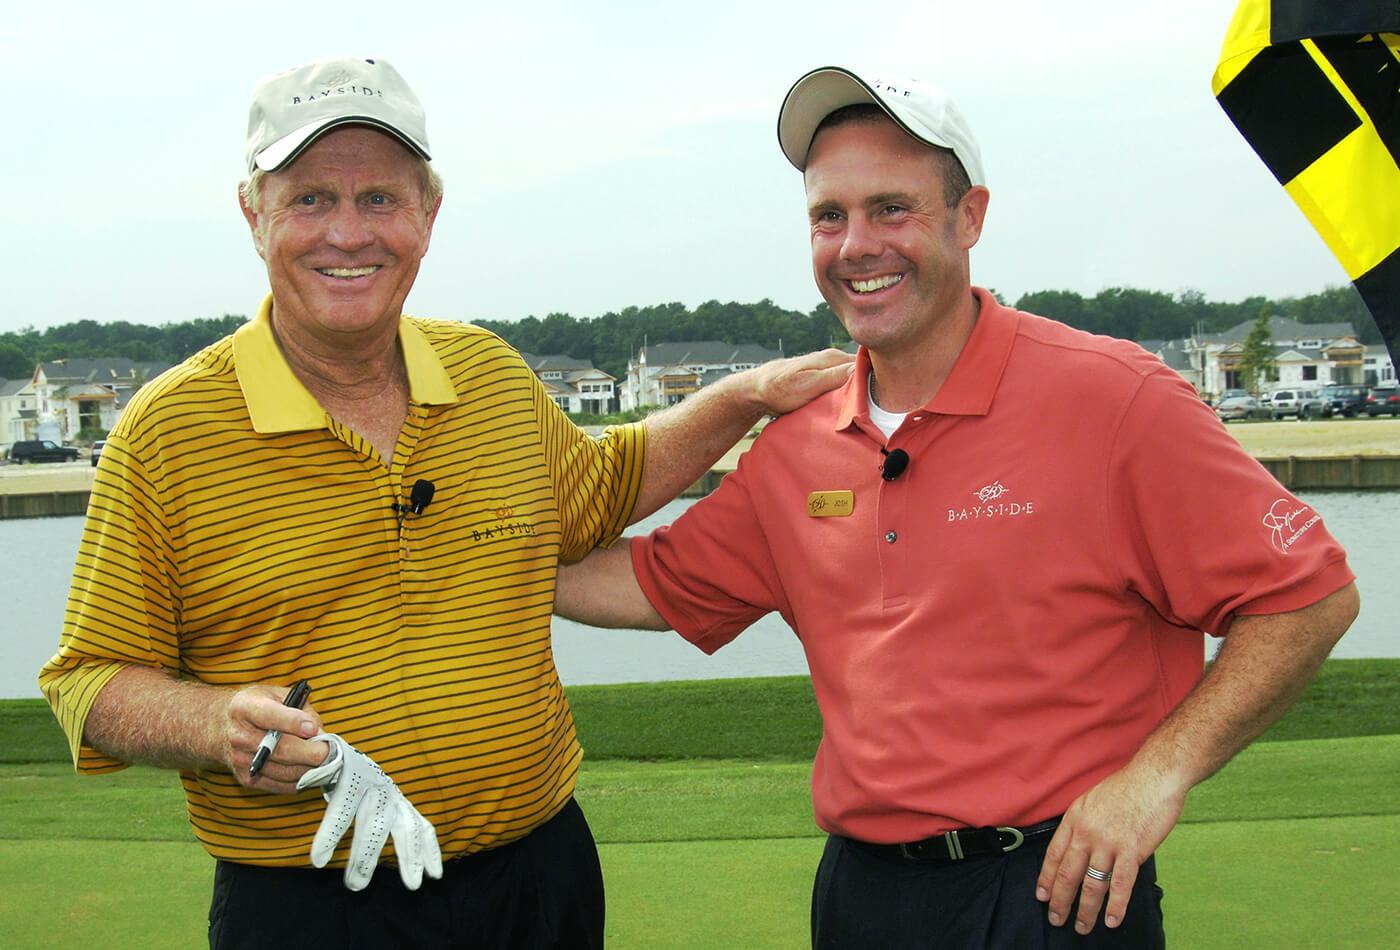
(830, 504)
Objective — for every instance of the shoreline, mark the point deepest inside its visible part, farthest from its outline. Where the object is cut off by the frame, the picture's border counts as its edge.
(1329, 453)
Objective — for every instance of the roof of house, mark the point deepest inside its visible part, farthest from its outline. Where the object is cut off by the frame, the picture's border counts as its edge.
(102, 370)
(1283, 329)
(1172, 352)
(539, 363)
(709, 352)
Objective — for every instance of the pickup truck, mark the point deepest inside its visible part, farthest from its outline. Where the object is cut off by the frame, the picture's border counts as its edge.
(41, 451)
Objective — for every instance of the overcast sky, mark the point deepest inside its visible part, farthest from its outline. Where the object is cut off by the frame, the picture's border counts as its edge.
(601, 155)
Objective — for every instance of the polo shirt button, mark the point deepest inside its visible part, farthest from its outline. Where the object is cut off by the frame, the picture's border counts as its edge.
(891, 537)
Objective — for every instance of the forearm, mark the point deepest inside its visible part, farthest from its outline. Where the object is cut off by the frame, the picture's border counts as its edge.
(1263, 665)
(146, 717)
(685, 441)
(602, 591)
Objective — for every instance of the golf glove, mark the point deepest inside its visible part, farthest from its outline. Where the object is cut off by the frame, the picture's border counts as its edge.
(356, 789)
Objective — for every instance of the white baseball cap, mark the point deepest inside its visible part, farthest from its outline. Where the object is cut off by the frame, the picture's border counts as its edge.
(924, 111)
(292, 108)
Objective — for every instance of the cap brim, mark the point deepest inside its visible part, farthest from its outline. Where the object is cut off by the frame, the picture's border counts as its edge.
(285, 150)
(810, 100)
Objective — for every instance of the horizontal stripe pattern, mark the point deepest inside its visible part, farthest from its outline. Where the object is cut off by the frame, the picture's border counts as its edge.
(235, 557)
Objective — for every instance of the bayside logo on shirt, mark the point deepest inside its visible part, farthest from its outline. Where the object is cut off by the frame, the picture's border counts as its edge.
(1288, 520)
(507, 525)
(989, 506)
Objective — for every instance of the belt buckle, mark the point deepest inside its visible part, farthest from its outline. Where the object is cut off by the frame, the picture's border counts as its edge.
(952, 840)
(1017, 839)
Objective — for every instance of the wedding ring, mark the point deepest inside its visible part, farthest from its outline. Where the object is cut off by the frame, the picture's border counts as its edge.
(1098, 875)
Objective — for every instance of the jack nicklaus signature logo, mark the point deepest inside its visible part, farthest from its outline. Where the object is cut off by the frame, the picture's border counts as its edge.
(1288, 520)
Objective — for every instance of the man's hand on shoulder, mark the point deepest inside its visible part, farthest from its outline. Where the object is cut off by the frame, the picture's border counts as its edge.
(780, 386)
(685, 440)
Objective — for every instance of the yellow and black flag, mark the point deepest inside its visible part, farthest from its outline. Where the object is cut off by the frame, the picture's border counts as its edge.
(1314, 87)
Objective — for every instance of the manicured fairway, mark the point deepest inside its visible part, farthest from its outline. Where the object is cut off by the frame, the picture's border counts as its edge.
(1293, 846)
(1290, 838)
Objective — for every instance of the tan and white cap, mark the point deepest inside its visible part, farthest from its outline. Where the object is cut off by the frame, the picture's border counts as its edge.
(924, 111)
(292, 108)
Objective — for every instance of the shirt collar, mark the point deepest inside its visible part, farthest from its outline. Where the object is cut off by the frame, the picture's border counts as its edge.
(969, 388)
(278, 402)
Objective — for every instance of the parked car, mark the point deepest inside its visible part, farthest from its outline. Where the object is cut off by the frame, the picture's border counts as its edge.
(1346, 400)
(42, 450)
(1313, 405)
(1303, 403)
(97, 451)
(1383, 400)
(1240, 407)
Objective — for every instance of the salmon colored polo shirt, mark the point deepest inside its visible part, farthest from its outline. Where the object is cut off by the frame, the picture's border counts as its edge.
(997, 629)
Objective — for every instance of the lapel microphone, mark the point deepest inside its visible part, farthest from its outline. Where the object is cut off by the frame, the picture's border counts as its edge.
(418, 499)
(894, 464)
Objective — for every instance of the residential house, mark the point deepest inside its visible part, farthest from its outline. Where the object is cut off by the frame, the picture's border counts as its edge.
(574, 385)
(16, 410)
(76, 394)
(665, 373)
(1304, 354)
(1377, 366)
(1312, 355)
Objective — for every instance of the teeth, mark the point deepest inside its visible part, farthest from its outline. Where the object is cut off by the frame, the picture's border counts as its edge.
(875, 283)
(347, 271)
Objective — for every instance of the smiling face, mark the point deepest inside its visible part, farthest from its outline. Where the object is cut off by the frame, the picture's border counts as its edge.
(342, 231)
(889, 255)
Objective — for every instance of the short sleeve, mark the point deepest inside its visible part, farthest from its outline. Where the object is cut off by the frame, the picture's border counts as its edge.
(1202, 530)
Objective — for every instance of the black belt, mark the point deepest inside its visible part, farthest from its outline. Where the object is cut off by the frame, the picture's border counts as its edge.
(960, 843)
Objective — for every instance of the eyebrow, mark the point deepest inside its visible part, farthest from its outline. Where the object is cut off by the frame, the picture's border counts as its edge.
(891, 197)
(870, 201)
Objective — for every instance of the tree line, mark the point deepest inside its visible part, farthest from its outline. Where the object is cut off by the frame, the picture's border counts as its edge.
(611, 339)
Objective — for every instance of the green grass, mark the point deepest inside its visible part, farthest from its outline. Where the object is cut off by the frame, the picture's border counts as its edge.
(1299, 884)
(1347, 698)
(29, 733)
(698, 796)
(776, 718)
(772, 718)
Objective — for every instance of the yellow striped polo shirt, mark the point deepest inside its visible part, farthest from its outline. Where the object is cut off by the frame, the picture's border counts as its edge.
(237, 534)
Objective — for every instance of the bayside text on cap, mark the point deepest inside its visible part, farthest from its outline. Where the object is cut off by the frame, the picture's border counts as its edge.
(291, 108)
(924, 111)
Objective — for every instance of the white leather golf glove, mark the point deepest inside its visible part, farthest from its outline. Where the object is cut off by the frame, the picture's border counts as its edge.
(356, 789)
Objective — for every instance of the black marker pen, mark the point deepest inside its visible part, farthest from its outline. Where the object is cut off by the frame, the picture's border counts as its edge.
(297, 699)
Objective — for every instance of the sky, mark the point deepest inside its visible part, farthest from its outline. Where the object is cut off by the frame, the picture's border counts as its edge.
(605, 155)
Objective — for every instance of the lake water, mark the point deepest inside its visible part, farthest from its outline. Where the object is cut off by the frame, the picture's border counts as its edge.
(36, 562)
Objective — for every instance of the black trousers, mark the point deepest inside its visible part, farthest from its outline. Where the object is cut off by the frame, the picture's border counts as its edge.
(861, 900)
(543, 891)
